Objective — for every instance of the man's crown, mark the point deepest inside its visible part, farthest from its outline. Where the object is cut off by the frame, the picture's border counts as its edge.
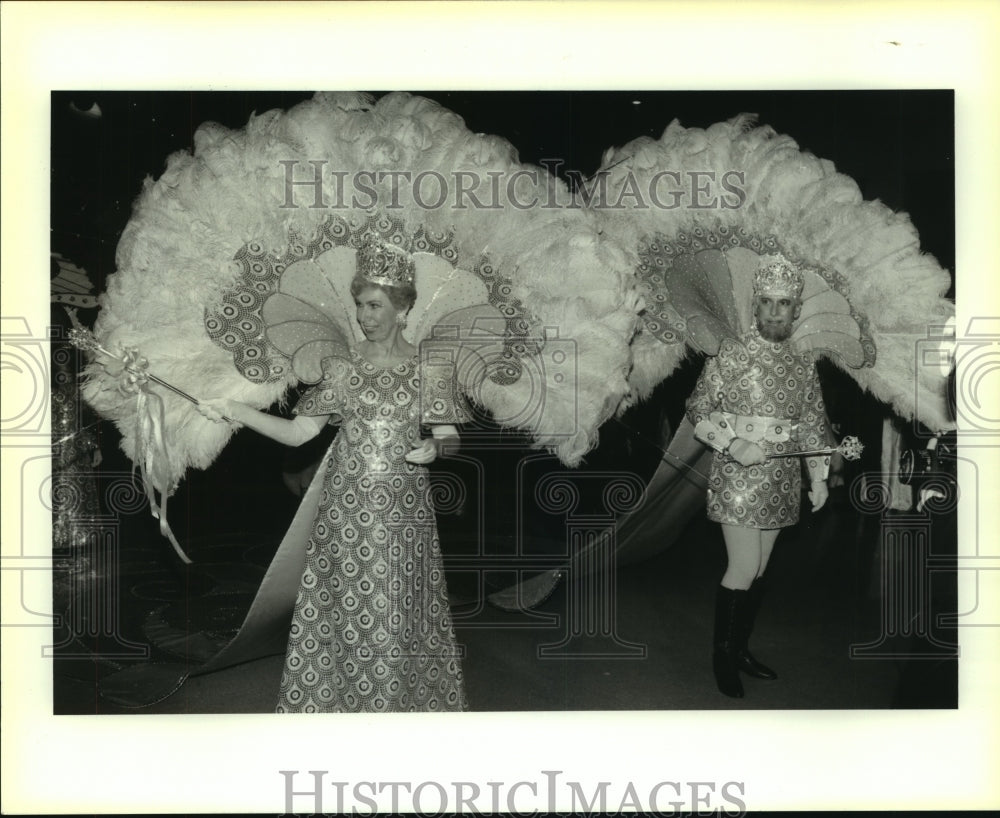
(385, 264)
(776, 275)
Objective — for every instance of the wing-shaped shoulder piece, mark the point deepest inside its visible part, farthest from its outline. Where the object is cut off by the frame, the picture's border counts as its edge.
(695, 295)
(327, 397)
(308, 319)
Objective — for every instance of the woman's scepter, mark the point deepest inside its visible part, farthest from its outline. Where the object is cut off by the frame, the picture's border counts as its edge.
(134, 379)
(135, 367)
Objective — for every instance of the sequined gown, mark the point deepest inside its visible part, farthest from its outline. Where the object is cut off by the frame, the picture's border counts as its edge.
(371, 628)
(769, 393)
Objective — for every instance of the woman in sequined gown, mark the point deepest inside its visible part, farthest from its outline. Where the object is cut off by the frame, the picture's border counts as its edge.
(371, 628)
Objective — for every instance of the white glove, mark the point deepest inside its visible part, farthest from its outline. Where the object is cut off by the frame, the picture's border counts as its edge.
(746, 453)
(818, 494)
(423, 454)
(217, 410)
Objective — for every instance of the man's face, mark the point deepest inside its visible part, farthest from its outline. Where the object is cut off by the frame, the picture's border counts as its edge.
(775, 315)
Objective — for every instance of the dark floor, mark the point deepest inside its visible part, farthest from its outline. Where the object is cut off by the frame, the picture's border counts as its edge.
(651, 653)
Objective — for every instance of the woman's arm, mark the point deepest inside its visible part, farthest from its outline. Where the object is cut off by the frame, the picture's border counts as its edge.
(446, 439)
(294, 432)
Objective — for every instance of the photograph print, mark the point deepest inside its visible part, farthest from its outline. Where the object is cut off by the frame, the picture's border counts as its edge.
(503, 401)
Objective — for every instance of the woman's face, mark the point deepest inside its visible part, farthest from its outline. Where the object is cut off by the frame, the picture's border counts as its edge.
(375, 313)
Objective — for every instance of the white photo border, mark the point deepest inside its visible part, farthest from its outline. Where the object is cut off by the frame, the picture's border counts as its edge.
(813, 759)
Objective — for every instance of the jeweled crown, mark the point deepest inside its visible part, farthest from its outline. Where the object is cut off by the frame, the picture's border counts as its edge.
(776, 275)
(385, 264)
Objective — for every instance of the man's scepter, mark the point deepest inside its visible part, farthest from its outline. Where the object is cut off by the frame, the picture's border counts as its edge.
(850, 447)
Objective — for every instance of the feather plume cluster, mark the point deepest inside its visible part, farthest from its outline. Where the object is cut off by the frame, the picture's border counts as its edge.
(818, 214)
(573, 268)
(175, 259)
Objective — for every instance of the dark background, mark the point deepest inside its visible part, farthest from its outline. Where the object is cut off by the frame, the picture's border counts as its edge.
(897, 145)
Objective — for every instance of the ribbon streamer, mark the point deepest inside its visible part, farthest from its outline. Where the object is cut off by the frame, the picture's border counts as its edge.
(151, 450)
(149, 439)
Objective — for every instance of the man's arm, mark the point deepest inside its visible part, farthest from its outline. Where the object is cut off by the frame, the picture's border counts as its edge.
(813, 433)
(717, 434)
(703, 400)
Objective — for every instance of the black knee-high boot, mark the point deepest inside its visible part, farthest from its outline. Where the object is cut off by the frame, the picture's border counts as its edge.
(726, 640)
(745, 660)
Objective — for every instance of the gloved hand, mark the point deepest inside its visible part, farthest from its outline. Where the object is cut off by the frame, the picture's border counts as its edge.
(423, 454)
(818, 494)
(745, 452)
(216, 409)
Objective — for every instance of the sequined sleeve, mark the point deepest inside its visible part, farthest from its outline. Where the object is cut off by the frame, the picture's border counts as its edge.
(705, 398)
(441, 400)
(812, 424)
(326, 397)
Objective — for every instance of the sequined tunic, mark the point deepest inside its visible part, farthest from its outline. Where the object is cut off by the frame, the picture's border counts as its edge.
(371, 629)
(769, 393)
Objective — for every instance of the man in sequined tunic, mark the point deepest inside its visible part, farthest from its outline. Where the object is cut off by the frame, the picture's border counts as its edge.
(755, 401)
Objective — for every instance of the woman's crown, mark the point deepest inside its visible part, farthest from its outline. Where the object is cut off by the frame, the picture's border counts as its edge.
(385, 264)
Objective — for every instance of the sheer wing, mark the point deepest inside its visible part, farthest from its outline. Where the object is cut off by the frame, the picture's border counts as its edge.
(286, 314)
(700, 287)
(828, 323)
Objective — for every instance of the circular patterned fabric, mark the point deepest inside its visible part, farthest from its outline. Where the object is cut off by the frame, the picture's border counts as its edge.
(765, 496)
(372, 629)
(756, 377)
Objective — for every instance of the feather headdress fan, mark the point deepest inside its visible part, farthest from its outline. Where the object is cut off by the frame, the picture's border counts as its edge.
(233, 282)
(870, 295)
